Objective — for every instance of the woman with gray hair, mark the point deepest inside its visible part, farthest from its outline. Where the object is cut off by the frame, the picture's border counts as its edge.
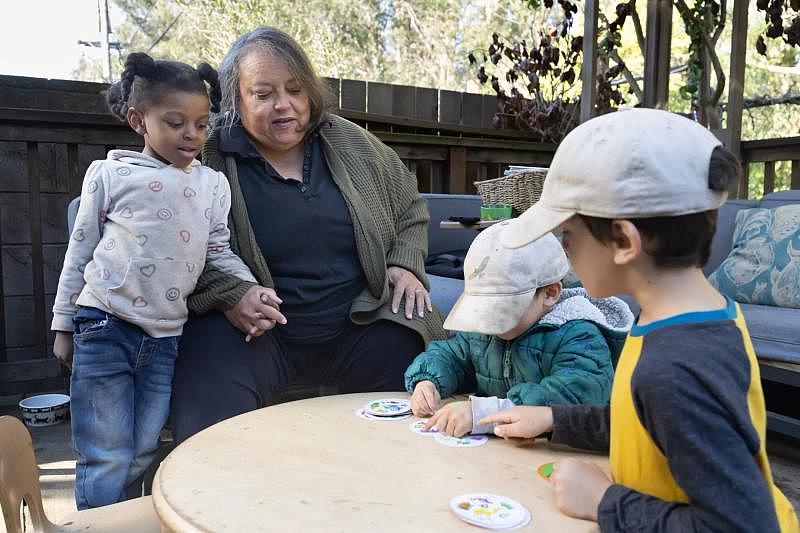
(329, 218)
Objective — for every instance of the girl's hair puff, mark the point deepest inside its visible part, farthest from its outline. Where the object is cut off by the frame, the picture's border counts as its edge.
(145, 81)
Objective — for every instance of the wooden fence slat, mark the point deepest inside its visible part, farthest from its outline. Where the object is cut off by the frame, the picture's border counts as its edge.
(333, 87)
(769, 177)
(450, 107)
(37, 260)
(795, 182)
(353, 95)
(427, 104)
(471, 109)
(457, 171)
(404, 101)
(379, 98)
(488, 109)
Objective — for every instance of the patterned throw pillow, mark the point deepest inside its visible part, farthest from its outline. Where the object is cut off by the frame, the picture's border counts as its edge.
(764, 264)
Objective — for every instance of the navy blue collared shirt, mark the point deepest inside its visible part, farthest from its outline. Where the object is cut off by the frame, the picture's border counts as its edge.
(305, 233)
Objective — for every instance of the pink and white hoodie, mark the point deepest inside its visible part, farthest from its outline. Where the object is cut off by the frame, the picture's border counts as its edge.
(143, 234)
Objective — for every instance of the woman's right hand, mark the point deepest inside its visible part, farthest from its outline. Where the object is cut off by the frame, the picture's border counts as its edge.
(62, 347)
(256, 312)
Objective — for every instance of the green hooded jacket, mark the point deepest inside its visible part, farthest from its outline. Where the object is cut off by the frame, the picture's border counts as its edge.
(567, 357)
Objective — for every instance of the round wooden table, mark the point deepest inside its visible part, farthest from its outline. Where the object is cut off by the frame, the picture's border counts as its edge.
(313, 465)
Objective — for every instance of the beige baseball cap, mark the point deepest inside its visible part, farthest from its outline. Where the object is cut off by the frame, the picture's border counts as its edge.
(634, 163)
(500, 283)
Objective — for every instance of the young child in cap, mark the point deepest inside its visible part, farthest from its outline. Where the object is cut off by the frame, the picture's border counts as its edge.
(636, 195)
(522, 339)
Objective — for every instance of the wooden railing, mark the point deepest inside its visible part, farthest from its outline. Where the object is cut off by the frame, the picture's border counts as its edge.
(51, 130)
(770, 164)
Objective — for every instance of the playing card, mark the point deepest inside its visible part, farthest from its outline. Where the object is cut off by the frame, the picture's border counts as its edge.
(490, 511)
(388, 407)
(418, 427)
(467, 441)
(362, 413)
(545, 471)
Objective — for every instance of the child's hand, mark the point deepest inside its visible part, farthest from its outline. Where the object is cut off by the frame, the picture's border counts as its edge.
(453, 420)
(521, 422)
(62, 347)
(579, 488)
(425, 400)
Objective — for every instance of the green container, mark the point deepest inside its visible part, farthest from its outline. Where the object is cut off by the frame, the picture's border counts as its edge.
(495, 211)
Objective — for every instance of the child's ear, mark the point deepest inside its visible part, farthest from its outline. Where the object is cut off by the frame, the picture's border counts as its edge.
(552, 293)
(136, 121)
(626, 241)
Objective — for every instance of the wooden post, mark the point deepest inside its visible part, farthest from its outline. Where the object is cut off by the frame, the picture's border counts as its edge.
(769, 177)
(589, 68)
(795, 183)
(733, 118)
(657, 53)
(37, 259)
(457, 163)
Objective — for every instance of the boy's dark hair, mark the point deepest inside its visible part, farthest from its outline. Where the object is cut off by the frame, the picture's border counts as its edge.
(145, 80)
(679, 241)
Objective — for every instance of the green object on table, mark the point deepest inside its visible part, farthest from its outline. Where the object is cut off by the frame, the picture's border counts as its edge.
(495, 211)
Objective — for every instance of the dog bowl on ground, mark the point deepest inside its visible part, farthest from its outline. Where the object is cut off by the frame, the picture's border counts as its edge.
(44, 409)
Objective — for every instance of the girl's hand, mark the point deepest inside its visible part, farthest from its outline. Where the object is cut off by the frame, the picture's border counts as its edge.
(579, 487)
(406, 285)
(521, 423)
(425, 400)
(252, 316)
(453, 420)
(62, 348)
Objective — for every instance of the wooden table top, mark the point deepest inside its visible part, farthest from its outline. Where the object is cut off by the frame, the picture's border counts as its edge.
(313, 465)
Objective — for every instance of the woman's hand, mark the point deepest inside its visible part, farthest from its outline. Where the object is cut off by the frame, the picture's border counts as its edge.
(62, 347)
(408, 287)
(258, 311)
(453, 420)
(579, 487)
(521, 423)
(425, 400)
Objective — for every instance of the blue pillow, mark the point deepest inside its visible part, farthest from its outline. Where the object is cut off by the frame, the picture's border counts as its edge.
(763, 266)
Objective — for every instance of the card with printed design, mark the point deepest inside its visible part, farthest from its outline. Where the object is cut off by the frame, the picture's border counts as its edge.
(545, 471)
(467, 441)
(388, 407)
(490, 511)
(418, 427)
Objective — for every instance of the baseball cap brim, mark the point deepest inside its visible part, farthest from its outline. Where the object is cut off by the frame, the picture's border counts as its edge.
(488, 314)
(533, 224)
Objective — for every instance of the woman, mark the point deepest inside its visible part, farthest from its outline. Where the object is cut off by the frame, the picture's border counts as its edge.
(325, 214)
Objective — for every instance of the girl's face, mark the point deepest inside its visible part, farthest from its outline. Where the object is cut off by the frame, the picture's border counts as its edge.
(591, 260)
(175, 128)
(275, 109)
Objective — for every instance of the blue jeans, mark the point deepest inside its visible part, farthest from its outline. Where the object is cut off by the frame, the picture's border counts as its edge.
(120, 392)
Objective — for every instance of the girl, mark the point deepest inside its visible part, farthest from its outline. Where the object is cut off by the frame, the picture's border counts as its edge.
(147, 224)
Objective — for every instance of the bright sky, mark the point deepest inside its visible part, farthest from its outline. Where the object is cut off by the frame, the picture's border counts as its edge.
(40, 37)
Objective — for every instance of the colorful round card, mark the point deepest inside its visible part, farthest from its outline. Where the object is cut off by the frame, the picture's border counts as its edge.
(545, 471)
(490, 511)
(388, 407)
(467, 441)
(418, 427)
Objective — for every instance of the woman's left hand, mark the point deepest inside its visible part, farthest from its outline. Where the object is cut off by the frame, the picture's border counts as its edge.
(408, 287)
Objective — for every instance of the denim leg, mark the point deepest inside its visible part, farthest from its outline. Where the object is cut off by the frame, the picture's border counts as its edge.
(102, 395)
(153, 387)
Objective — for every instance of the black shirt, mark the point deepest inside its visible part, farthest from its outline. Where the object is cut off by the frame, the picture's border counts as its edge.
(305, 233)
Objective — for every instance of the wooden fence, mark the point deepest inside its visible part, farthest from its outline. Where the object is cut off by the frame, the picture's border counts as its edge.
(50, 131)
(777, 160)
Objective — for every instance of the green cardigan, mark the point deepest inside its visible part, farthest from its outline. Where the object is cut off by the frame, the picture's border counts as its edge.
(389, 222)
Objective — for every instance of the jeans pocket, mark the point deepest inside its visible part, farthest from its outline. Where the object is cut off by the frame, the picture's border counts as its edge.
(90, 322)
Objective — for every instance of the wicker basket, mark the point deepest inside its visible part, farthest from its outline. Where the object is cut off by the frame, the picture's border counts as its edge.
(519, 190)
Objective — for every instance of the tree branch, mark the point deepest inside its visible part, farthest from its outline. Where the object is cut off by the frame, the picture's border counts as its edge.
(629, 77)
(637, 25)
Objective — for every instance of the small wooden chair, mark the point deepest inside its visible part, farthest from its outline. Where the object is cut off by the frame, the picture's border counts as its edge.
(19, 481)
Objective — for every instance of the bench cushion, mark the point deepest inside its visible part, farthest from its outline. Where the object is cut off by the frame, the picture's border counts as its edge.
(774, 331)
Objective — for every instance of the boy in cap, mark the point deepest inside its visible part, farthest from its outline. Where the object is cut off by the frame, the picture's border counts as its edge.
(522, 339)
(636, 195)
